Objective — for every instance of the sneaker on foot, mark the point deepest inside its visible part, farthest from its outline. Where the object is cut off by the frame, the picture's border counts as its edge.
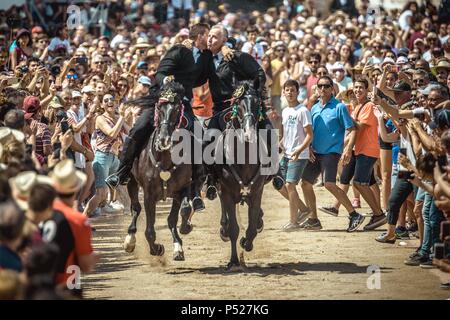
(108, 208)
(445, 286)
(330, 210)
(311, 224)
(356, 220)
(117, 205)
(401, 233)
(290, 227)
(416, 260)
(375, 222)
(428, 264)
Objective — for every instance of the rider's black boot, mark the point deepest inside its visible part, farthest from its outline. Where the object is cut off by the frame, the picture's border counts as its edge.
(122, 176)
(198, 177)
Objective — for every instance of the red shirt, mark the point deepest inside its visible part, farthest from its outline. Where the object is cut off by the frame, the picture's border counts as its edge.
(82, 233)
(310, 82)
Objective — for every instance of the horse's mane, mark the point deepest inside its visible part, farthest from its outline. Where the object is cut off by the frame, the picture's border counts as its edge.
(248, 85)
(175, 87)
(153, 96)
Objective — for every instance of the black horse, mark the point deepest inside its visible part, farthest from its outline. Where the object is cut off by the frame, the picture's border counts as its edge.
(158, 175)
(240, 178)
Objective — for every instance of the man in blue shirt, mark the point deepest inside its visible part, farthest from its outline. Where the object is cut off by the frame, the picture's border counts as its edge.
(330, 120)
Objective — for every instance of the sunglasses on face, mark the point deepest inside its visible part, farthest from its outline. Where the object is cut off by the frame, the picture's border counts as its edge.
(107, 100)
(99, 62)
(418, 81)
(324, 86)
(72, 76)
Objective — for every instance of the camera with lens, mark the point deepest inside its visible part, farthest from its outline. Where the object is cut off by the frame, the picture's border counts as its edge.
(13, 22)
(62, 118)
(23, 69)
(55, 70)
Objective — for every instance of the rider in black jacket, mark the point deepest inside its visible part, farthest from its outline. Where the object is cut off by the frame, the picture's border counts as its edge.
(180, 64)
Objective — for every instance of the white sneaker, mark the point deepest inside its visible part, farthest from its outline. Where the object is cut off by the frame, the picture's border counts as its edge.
(117, 205)
(109, 209)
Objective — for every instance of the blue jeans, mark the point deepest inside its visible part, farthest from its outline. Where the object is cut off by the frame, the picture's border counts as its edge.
(432, 218)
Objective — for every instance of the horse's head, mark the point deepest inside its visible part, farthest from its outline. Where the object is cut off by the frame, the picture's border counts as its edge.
(168, 114)
(246, 110)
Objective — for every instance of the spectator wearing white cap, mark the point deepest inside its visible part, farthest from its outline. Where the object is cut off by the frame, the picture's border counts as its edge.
(77, 119)
(343, 81)
(142, 88)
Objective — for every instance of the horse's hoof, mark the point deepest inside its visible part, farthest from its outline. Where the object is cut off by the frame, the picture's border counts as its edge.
(159, 251)
(260, 226)
(186, 228)
(178, 256)
(246, 245)
(223, 235)
(129, 243)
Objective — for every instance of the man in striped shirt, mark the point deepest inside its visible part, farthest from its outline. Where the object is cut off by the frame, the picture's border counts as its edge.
(32, 109)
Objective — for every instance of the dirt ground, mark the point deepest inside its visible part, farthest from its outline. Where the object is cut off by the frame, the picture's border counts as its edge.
(326, 264)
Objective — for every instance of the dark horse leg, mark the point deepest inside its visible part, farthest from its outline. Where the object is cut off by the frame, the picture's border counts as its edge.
(172, 220)
(224, 229)
(133, 192)
(230, 207)
(186, 226)
(254, 215)
(150, 234)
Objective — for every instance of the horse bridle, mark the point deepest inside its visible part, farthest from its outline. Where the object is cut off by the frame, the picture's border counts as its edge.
(165, 175)
(158, 124)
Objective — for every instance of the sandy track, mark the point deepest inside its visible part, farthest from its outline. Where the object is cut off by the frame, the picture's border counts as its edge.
(329, 264)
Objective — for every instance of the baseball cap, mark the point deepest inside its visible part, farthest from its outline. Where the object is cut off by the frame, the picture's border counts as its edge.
(142, 65)
(337, 66)
(145, 80)
(31, 106)
(76, 94)
(87, 89)
(403, 52)
(387, 60)
(402, 60)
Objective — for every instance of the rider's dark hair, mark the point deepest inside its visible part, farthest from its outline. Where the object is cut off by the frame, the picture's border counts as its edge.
(197, 29)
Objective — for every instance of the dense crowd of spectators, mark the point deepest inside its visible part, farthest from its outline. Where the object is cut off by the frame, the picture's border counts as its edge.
(68, 80)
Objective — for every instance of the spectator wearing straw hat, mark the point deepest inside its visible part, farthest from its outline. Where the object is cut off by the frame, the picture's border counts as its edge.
(67, 182)
(442, 70)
